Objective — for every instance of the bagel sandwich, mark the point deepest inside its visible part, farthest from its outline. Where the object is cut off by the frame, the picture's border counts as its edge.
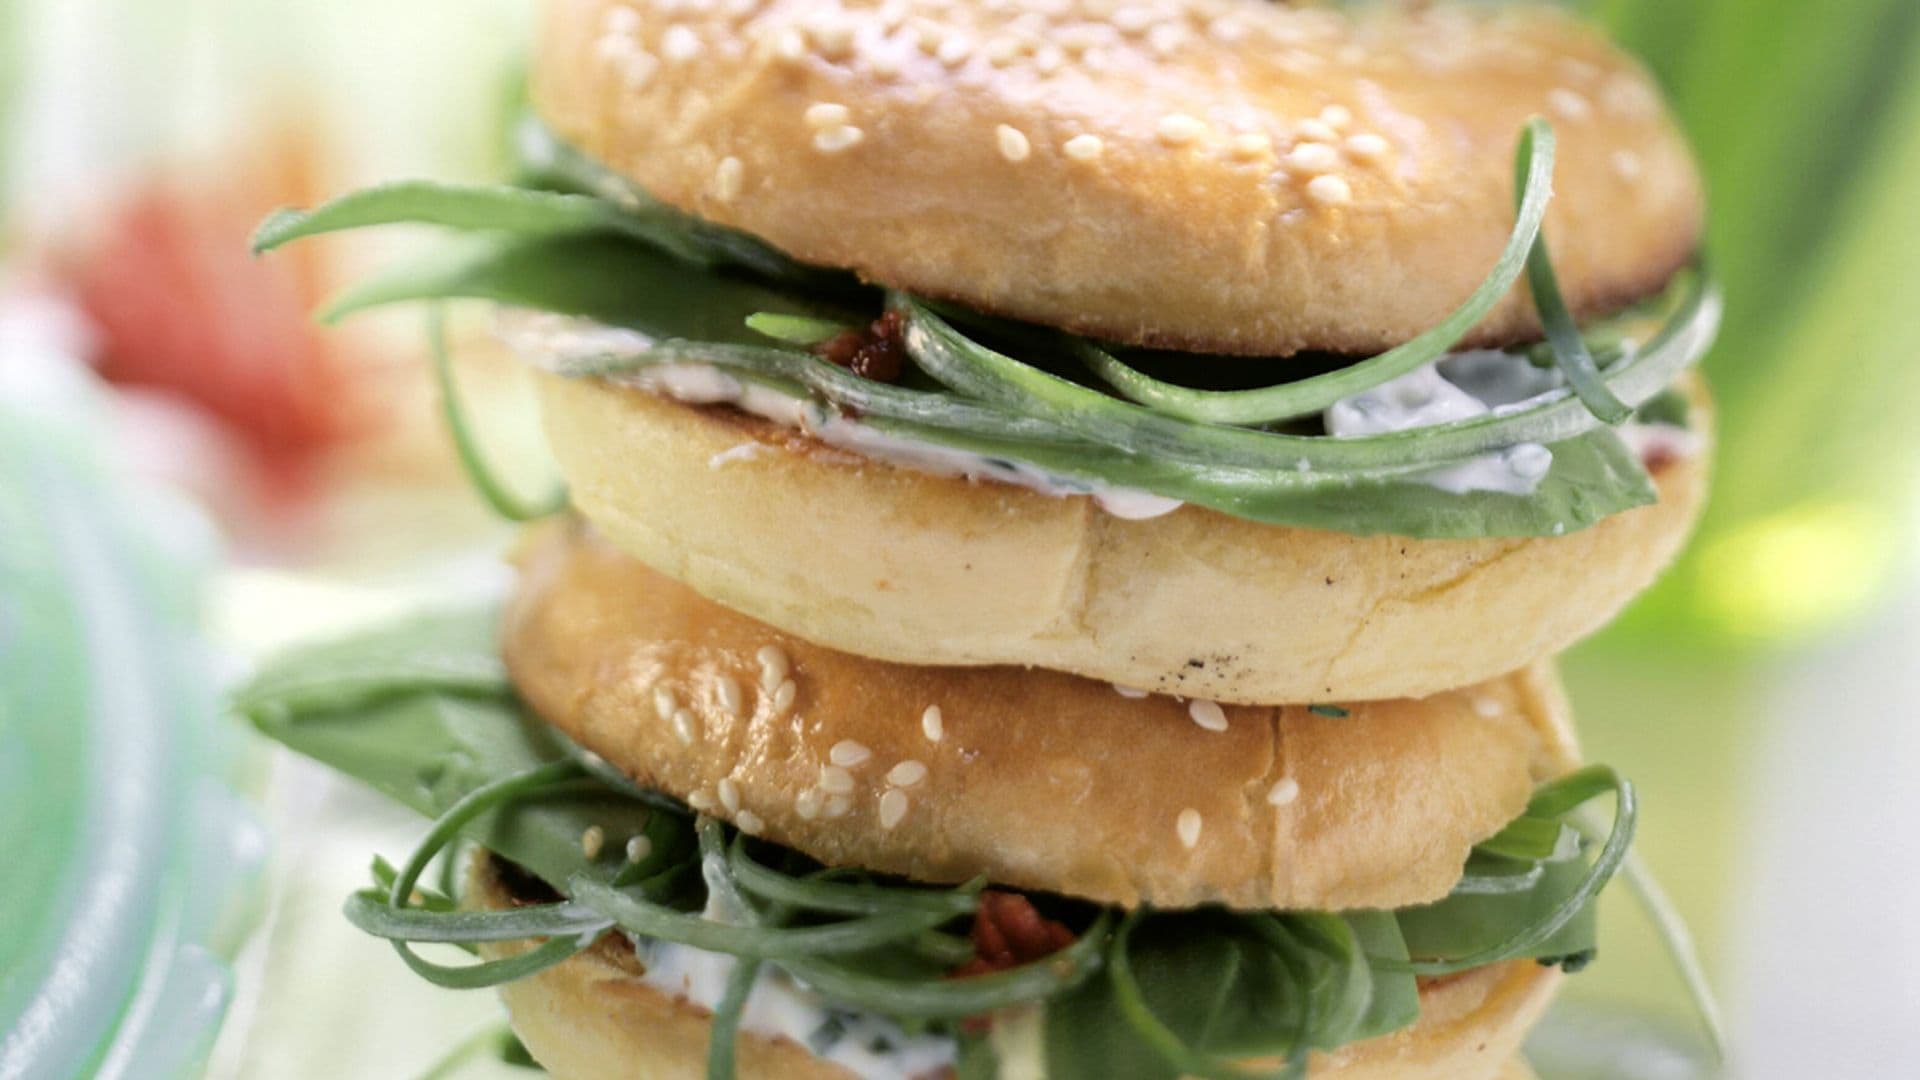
(1195, 345)
(693, 844)
(1069, 514)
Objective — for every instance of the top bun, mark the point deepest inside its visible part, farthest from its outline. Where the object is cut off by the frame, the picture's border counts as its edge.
(1226, 176)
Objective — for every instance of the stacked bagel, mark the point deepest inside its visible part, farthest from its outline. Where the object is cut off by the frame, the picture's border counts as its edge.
(921, 657)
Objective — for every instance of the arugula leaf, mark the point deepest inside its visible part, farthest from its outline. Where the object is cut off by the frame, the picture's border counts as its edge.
(452, 652)
(607, 278)
(1396, 995)
(1466, 924)
(458, 206)
(421, 712)
(1185, 976)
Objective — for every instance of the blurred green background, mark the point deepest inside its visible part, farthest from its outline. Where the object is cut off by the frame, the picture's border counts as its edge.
(1807, 119)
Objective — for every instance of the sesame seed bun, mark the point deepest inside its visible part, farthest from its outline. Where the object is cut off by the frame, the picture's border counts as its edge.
(1222, 176)
(908, 566)
(592, 1017)
(1031, 778)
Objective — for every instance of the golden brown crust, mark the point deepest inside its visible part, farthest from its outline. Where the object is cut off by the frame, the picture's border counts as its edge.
(1037, 780)
(591, 1018)
(933, 152)
(908, 566)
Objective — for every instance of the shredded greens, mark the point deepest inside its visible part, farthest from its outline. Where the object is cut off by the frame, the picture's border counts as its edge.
(419, 712)
(577, 240)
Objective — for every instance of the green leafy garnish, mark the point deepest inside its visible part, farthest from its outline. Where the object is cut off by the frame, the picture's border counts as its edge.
(441, 926)
(703, 294)
(422, 713)
(1552, 918)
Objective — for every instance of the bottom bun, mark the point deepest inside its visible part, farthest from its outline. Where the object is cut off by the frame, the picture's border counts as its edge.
(593, 1018)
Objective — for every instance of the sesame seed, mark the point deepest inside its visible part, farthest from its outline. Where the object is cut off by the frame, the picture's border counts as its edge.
(1251, 144)
(1188, 826)
(664, 705)
(833, 41)
(749, 822)
(1628, 96)
(1208, 714)
(933, 724)
(1316, 131)
(1084, 147)
(679, 44)
(727, 689)
(838, 806)
(1627, 165)
(1330, 191)
(1568, 104)
(1226, 30)
(848, 753)
(1313, 158)
(1013, 143)
(638, 848)
(1285, 790)
(1128, 692)
(791, 45)
(638, 69)
(774, 666)
(1487, 707)
(729, 794)
(683, 726)
(1166, 38)
(893, 807)
(807, 804)
(622, 20)
(826, 114)
(1336, 116)
(954, 51)
(906, 774)
(1049, 59)
(1179, 129)
(885, 64)
(592, 840)
(700, 800)
(783, 695)
(1077, 38)
(1004, 50)
(835, 780)
(1368, 147)
(1132, 20)
(727, 177)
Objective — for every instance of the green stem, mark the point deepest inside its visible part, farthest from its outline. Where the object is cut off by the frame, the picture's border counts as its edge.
(504, 502)
(1534, 162)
